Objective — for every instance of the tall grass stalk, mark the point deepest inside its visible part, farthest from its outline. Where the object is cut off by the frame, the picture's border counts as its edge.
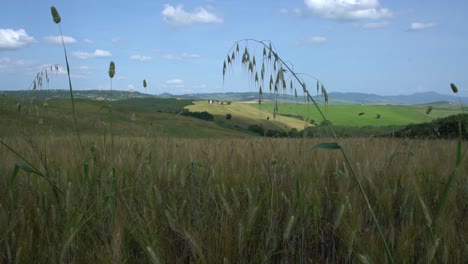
(57, 19)
(458, 159)
(270, 54)
(111, 76)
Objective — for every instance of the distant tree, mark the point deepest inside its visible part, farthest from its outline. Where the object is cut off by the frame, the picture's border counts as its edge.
(228, 116)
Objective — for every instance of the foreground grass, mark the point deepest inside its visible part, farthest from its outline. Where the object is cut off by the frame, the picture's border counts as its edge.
(237, 201)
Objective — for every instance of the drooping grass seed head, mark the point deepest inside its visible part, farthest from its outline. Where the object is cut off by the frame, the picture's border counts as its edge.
(112, 69)
(144, 83)
(55, 15)
(454, 88)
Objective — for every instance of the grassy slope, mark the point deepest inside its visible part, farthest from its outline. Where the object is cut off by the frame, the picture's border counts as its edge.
(93, 118)
(348, 115)
(244, 114)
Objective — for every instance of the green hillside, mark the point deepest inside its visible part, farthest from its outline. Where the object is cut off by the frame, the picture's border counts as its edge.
(366, 115)
(244, 114)
(134, 118)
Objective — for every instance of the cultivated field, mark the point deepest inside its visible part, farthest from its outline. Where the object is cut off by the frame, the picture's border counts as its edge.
(175, 200)
(339, 115)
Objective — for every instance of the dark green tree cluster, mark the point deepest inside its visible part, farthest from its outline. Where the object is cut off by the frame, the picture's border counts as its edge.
(200, 115)
(446, 128)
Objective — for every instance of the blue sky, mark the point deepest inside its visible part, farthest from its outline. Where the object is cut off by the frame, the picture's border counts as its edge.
(371, 46)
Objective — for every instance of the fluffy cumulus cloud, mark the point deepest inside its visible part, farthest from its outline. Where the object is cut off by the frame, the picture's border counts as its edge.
(58, 39)
(98, 53)
(177, 16)
(140, 58)
(313, 40)
(348, 9)
(14, 39)
(416, 26)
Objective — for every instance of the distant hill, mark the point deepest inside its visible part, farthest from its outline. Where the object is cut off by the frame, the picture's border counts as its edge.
(79, 94)
(334, 97)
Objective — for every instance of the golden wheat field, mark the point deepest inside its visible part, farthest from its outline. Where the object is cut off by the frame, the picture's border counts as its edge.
(168, 200)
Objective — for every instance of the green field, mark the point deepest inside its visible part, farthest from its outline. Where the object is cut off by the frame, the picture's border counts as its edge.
(339, 115)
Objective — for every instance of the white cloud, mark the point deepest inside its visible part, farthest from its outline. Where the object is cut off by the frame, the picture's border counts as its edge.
(284, 10)
(116, 40)
(131, 87)
(21, 65)
(14, 39)
(58, 39)
(373, 25)
(98, 53)
(102, 54)
(348, 9)
(416, 26)
(184, 56)
(313, 40)
(88, 41)
(140, 58)
(177, 16)
(190, 56)
(178, 83)
(170, 57)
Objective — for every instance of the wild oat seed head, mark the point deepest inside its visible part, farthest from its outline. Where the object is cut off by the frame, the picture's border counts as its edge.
(144, 83)
(224, 68)
(111, 69)
(271, 82)
(269, 51)
(55, 15)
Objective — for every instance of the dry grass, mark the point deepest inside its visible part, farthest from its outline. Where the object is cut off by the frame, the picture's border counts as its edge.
(176, 200)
